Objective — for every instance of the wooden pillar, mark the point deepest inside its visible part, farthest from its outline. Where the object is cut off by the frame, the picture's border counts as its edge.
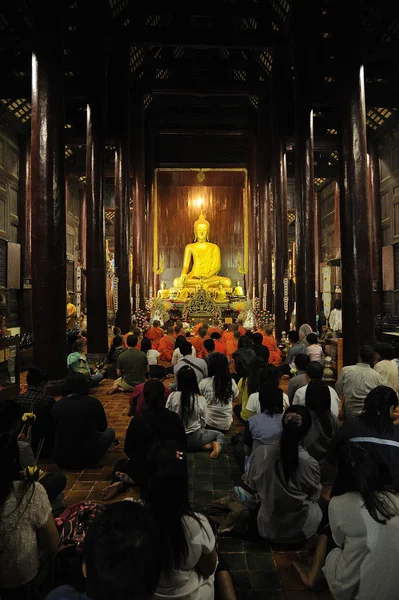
(304, 168)
(375, 227)
(150, 276)
(97, 316)
(265, 223)
(48, 191)
(83, 245)
(25, 184)
(253, 286)
(138, 225)
(317, 250)
(357, 307)
(279, 190)
(122, 191)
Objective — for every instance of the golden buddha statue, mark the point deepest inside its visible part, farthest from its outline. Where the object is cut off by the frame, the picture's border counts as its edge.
(220, 293)
(238, 291)
(205, 259)
(163, 293)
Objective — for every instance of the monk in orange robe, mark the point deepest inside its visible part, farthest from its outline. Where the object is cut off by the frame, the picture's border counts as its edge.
(166, 345)
(200, 326)
(198, 343)
(132, 328)
(241, 328)
(229, 333)
(215, 328)
(155, 333)
(219, 345)
(232, 343)
(269, 341)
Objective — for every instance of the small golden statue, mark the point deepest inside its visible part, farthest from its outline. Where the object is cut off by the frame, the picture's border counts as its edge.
(238, 291)
(220, 293)
(205, 258)
(163, 293)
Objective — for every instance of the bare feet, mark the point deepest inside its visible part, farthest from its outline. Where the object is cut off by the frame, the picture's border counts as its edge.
(112, 490)
(207, 447)
(112, 390)
(305, 572)
(124, 478)
(217, 448)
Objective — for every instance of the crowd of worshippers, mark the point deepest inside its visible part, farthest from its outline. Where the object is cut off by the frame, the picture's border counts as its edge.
(320, 460)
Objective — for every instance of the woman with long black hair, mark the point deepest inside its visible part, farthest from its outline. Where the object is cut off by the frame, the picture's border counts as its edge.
(360, 549)
(287, 480)
(219, 390)
(191, 408)
(248, 385)
(324, 423)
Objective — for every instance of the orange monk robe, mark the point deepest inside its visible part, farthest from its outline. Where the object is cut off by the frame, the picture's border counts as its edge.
(231, 346)
(242, 330)
(275, 357)
(227, 335)
(220, 347)
(126, 336)
(198, 344)
(214, 330)
(197, 328)
(154, 334)
(166, 347)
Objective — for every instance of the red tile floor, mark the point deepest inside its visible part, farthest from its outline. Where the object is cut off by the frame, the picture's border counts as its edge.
(258, 571)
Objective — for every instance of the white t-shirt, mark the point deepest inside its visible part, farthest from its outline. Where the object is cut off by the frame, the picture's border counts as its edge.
(177, 355)
(20, 518)
(253, 403)
(197, 419)
(217, 415)
(152, 357)
(187, 583)
(300, 394)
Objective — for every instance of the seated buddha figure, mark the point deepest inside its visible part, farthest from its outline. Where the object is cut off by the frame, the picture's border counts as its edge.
(204, 259)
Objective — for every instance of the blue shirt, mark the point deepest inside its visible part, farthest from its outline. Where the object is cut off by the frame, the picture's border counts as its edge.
(66, 592)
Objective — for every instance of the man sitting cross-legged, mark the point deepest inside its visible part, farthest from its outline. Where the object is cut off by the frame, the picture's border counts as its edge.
(131, 368)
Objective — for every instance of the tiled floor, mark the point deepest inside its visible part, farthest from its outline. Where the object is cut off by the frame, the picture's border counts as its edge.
(258, 571)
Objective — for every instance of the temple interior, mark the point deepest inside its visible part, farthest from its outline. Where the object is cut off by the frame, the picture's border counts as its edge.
(204, 191)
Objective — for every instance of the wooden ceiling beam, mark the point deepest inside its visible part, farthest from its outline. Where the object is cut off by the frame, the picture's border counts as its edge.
(204, 8)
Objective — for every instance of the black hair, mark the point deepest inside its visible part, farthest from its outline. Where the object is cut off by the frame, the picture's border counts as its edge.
(36, 377)
(117, 331)
(10, 412)
(218, 368)
(385, 351)
(76, 384)
(397, 350)
(79, 344)
(314, 370)
(209, 345)
(166, 496)
(318, 399)
(293, 336)
(186, 348)
(202, 332)
(158, 372)
(257, 339)
(145, 345)
(301, 361)
(295, 428)
(311, 338)
(250, 335)
(187, 385)
(338, 304)
(154, 394)
(366, 354)
(116, 343)
(132, 341)
(366, 481)
(179, 340)
(122, 553)
(215, 335)
(244, 342)
(252, 379)
(269, 374)
(156, 323)
(270, 399)
(377, 409)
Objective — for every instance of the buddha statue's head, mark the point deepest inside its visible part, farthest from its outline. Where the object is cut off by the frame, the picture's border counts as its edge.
(163, 285)
(201, 229)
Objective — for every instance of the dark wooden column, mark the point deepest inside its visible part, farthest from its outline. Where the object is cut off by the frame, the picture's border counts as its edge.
(304, 167)
(150, 276)
(279, 189)
(138, 225)
(25, 184)
(97, 317)
(357, 306)
(253, 286)
(265, 223)
(83, 244)
(48, 191)
(375, 226)
(122, 189)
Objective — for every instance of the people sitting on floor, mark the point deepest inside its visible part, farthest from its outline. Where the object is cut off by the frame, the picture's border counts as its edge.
(131, 368)
(219, 390)
(266, 427)
(301, 361)
(314, 350)
(26, 521)
(198, 342)
(198, 364)
(384, 353)
(155, 334)
(77, 363)
(121, 556)
(117, 347)
(268, 374)
(314, 370)
(189, 557)
(219, 345)
(37, 401)
(259, 348)
(356, 382)
(137, 402)
(166, 345)
(287, 480)
(154, 424)
(82, 435)
(296, 348)
(177, 355)
(248, 385)
(375, 430)
(275, 356)
(152, 355)
(191, 408)
(359, 550)
(243, 357)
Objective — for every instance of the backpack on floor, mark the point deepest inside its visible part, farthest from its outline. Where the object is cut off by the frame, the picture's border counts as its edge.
(73, 525)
